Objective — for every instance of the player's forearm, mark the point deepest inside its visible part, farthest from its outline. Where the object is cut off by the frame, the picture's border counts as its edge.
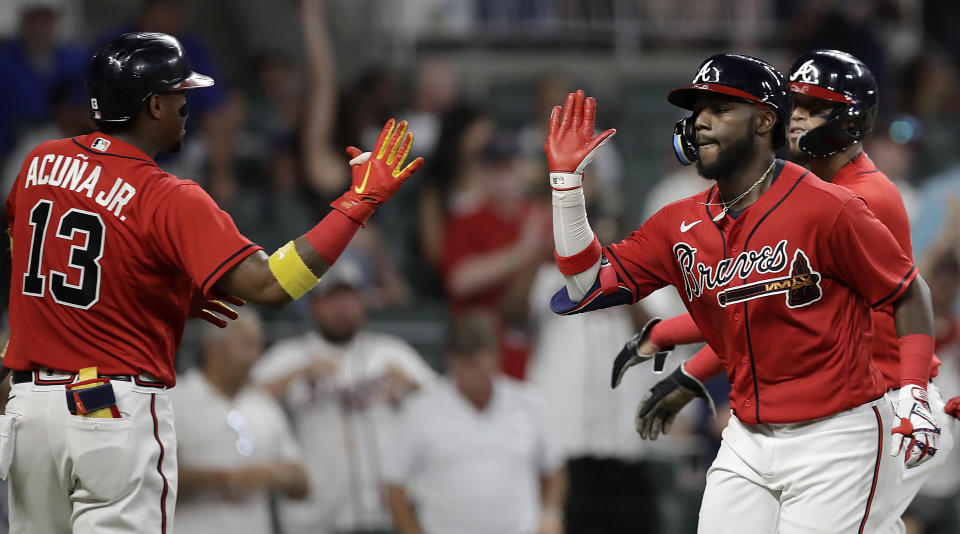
(404, 515)
(578, 253)
(704, 365)
(913, 317)
(677, 330)
(256, 280)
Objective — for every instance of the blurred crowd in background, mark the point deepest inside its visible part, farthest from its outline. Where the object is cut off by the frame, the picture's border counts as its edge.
(344, 425)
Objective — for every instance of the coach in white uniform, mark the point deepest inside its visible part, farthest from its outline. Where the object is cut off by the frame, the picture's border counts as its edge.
(341, 385)
(233, 439)
(473, 455)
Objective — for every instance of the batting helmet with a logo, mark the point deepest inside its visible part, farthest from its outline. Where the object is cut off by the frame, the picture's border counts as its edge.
(127, 70)
(737, 75)
(838, 77)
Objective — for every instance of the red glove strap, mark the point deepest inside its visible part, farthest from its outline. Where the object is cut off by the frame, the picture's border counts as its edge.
(679, 330)
(331, 235)
(581, 261)
(916, 353)
(704, 365)
(354, 207)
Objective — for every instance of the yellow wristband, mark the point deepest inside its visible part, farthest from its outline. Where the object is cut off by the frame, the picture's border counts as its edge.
(291, 273)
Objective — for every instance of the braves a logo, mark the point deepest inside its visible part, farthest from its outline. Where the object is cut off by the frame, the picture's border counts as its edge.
(802, 285)
(707, 74)
(807, 73)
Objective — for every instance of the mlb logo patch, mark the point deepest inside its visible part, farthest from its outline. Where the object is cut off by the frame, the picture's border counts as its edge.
(100, 144)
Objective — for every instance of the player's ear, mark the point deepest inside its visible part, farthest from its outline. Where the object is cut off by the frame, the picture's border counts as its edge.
(153, 106)
(764, 121)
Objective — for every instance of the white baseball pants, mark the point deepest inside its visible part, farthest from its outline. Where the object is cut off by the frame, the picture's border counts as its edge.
(73, 474)
(831, 475)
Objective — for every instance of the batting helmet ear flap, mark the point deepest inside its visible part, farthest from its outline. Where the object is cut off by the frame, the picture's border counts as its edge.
(685, 140)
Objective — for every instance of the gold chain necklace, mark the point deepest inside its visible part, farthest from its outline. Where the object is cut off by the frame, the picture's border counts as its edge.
(727, 205)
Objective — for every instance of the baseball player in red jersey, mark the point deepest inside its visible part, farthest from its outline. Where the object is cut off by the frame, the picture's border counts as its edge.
(778, 269)
(835, 101)
(108, 251)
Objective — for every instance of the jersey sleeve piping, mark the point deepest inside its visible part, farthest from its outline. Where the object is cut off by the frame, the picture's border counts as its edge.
(621, 270)
(901, 287)
(234, 259)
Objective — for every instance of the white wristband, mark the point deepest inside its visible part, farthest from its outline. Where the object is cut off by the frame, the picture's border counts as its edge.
(561, 181)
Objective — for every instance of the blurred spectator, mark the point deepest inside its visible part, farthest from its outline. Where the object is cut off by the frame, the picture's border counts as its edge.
(436, 89)
(454, 178)
(234, 445)
(473, 455)
(341, 384)
(70, 116)
(34, 64)
(486, 250)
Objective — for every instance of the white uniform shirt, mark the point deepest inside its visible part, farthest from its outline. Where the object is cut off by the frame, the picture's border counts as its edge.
(342, 424)
(472, 472)
(214, 432)
(571, 366)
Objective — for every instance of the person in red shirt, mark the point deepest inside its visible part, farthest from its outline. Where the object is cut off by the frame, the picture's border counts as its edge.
(835, 103)
(779, 270)
(109, 256)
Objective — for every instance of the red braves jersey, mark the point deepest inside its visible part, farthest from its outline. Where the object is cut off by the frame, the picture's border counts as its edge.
(783, 292)
(883, 199)
(107, 251)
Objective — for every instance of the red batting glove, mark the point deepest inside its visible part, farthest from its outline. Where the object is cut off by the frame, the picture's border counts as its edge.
(203, 308)
(378, 175)
(571, 145)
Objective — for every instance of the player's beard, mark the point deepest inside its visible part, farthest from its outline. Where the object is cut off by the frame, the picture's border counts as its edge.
(728, 160)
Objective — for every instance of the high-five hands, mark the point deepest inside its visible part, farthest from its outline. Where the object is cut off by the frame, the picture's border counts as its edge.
(378, 175)
(571, 145)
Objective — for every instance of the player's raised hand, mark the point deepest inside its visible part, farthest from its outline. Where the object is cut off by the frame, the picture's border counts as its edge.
(570, 144)
(917, 432)
(379, 174)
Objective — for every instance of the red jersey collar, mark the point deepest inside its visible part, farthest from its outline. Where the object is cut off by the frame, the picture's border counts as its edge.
(785, 176)
(101, 143)
(861, 164)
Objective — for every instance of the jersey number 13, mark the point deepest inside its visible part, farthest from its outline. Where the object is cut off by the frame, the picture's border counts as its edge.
(84, 257)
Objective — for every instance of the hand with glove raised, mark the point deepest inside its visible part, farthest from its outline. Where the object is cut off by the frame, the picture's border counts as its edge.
(379, 174)
(571, 145)
(917, 432)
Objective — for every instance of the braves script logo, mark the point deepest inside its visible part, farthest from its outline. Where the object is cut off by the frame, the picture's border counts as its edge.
(802, 285)
(807, 73)
(707, 74)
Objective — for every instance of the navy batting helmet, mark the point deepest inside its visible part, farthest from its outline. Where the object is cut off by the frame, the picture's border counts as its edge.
(839, 77)
(737, 75)
(126, 71)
